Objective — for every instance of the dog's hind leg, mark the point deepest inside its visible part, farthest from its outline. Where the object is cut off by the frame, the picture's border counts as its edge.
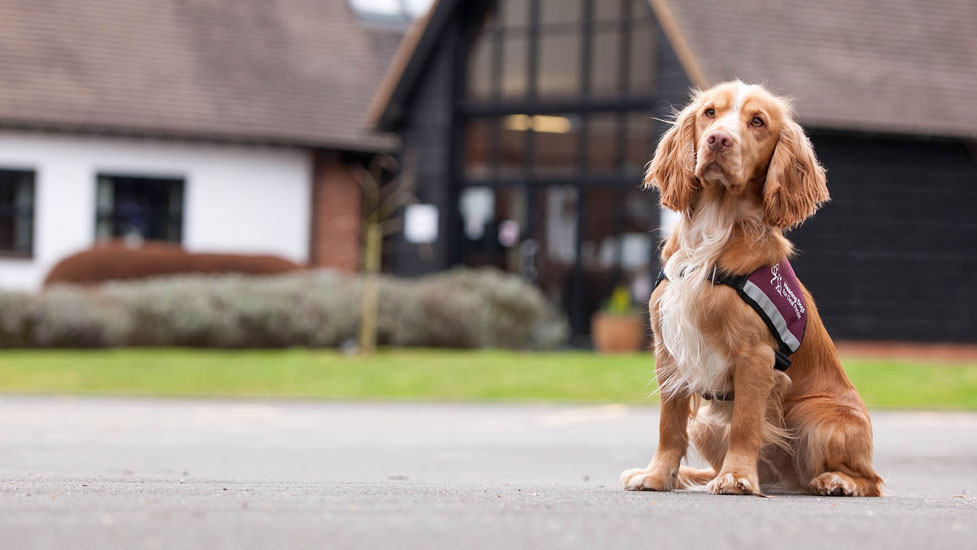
(840, 484)
(833, 453)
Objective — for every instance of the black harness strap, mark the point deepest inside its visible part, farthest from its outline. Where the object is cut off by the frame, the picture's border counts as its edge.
(738, 282)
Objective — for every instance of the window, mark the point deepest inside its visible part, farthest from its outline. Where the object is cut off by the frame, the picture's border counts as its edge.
(557, 112)
(639, 142)
(641, 59)
(605, 70)
(604, 152)
(514, 80)
(139, 207)
(546, 48)
(480, 135)
(560, 90)
(556, 139)
(16, 211)
(616, 246)
(515, 13)
(559, 64)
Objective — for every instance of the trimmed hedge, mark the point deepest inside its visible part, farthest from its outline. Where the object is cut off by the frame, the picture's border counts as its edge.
(117, 261)
(458, 308)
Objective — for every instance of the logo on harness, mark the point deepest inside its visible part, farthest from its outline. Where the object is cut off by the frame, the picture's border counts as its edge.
(777, 281)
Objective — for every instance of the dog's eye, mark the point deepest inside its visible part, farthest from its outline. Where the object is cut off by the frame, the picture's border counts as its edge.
(710, 112)
(756, 122)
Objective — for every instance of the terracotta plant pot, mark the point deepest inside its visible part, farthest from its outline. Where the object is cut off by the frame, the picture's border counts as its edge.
(613, 333)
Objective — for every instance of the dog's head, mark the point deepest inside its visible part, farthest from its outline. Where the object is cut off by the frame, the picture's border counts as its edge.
(744, 139)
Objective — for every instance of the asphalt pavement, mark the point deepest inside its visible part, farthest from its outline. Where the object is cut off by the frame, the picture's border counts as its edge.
(140, 473)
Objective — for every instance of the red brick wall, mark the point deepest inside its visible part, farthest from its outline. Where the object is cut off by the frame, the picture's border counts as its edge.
(336, 214)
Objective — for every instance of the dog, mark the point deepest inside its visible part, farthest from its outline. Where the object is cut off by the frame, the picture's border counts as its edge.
(741, 171)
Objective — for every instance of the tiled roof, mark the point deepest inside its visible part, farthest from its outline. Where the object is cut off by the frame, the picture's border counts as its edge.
(289, 71)
(900, 66)
(904, 66)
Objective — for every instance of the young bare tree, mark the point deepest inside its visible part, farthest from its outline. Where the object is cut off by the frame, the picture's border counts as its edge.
(386, 191)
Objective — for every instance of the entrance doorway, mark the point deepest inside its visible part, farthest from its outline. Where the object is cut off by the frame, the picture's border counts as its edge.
(577, 243)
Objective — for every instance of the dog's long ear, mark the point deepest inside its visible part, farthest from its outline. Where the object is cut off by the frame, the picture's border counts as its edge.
(672, 170)
(795, 185)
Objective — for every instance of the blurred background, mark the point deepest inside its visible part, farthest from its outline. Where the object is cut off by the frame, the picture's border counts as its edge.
(393, 257)
(347, 173)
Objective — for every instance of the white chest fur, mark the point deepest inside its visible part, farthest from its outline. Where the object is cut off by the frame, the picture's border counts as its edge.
(699, 366)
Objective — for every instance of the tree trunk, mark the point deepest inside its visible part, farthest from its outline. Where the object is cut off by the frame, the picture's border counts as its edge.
(371, 289)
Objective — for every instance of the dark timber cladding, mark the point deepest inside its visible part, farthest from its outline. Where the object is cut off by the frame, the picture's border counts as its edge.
(528, 123)
(894, 254)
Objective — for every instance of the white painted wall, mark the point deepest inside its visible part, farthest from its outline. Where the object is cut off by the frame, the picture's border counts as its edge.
(244, 199)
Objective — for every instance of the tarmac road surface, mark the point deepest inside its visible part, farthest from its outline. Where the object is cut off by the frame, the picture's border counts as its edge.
(135, 473)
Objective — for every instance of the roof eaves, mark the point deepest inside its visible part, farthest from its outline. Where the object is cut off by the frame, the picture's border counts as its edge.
(407, 65)
(688, 60)
(894, 130)
(365, 144)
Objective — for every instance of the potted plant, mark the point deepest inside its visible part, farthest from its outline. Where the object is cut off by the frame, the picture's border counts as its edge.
(617, 327)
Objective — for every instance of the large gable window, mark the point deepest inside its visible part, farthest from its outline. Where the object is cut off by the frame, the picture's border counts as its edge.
(16, 212)
(147, 208)
(557, 112)
(560, 88)
(563, 48)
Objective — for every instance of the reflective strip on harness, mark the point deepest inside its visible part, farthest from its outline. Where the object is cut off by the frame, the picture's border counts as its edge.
(773, 314)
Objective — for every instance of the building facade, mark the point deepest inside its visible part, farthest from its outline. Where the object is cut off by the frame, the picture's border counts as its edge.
(81, 189)
(528, 123)
(221, 126)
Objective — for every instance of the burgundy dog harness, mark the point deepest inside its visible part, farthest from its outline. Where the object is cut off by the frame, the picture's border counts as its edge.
(775, 293)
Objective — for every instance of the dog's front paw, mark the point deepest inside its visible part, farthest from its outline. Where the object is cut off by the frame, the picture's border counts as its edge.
(732, 483)
(645, 479)
(834, 484)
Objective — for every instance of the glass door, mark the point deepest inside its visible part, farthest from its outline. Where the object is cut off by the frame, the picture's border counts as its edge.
(617, 249)
(522, 230)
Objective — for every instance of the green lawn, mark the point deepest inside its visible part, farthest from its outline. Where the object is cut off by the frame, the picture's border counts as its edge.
(424, 374)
